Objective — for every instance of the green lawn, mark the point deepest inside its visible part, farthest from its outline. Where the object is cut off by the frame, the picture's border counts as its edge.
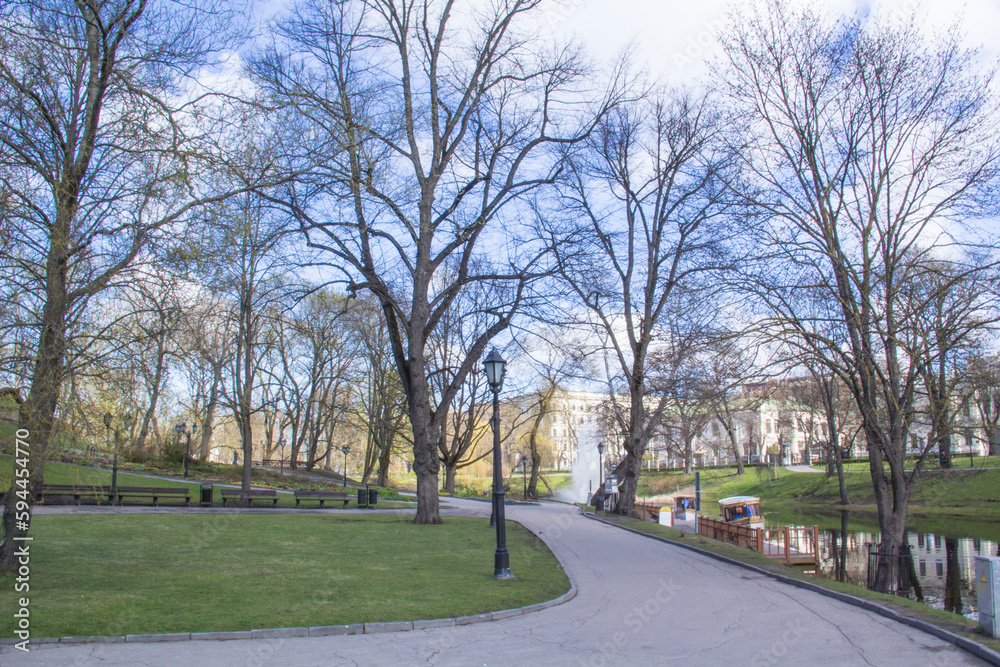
(129, 574)
(964, 502)
(958, 461)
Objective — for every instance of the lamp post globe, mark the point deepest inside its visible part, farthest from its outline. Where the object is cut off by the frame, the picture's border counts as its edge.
(494, 365)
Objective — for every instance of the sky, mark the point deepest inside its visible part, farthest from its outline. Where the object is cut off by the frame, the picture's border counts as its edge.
(676, 38)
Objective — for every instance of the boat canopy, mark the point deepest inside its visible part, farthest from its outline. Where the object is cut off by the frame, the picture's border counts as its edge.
(739, 508)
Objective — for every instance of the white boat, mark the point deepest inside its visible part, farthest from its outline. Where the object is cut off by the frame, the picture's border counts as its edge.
(742, 511)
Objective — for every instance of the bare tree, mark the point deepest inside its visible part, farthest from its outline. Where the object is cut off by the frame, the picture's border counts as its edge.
(206, 344)
(984, 381)
(380, 404)
(861, 142)
(646, 196)
(244, 255)
(952, 307)
(98, 155)
(430, 121)
(732, 364)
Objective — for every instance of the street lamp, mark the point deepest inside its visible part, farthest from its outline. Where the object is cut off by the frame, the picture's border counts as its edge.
(107, 445)
(181, 429)
(187, 449)
(346, 450)
(494, 365)
(281, 463)
(600, 464)
(127, 421)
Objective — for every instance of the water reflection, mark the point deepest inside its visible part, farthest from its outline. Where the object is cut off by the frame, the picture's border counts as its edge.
(943, 567)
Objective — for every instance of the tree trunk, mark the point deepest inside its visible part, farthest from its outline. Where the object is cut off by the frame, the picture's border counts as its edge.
(36, 417)
(449, 478)
(737, 452)
(384, 459)
(944, 451)
(536, 464)
(425, 450)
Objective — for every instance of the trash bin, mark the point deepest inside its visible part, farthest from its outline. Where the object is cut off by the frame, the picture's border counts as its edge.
(599, 504)
(666, 516)
(362, 497)
(373, 496)
(206, 495)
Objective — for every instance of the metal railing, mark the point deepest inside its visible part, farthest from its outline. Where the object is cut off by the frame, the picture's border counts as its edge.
(889, 568)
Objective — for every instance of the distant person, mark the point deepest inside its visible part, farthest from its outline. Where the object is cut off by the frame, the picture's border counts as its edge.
(236, 458)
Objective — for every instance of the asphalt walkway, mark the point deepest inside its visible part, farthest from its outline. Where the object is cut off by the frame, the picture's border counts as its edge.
(638, 602)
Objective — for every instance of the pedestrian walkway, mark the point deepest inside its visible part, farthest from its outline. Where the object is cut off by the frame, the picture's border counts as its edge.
(638, 602)
(803, 468)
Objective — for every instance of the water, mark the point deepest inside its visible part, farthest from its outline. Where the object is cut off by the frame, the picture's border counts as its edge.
(944, 564)
(584, 472)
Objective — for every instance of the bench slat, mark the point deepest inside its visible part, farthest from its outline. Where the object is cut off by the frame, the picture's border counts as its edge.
(321, 496)
(271, 494)
(155, 492)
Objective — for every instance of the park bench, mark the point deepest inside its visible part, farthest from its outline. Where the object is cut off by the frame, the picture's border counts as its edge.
(77, 491)
(253, 494)
(157, 493)
(321, 496)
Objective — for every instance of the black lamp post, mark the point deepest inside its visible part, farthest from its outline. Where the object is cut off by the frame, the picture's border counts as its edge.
(281, 463)
(600, 468)
(107, 444)
(181, 429)
(187, 449)
(127, 421)
(494, 365)
(346, 450)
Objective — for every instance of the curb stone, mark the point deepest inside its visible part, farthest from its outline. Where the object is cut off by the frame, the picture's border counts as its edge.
(475, 618)
(170, 637)
(371, 628)
(975, 648)
(279, 633)
(220, 636)
(434, 623)
(329, 630)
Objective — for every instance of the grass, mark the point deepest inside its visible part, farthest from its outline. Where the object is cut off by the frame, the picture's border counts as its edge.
(953, 622)
(939, 496)
(128, 574)
(958, 461)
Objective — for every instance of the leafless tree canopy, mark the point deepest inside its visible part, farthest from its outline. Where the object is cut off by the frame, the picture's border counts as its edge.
(863, 145)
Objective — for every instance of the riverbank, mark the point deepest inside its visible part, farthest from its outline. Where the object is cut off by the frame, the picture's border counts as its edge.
(939, 496)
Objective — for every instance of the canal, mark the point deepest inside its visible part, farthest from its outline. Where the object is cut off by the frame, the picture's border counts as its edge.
(943, 552)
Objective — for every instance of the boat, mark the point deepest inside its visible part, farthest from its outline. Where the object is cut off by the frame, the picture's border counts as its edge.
(684, 508)
(742, 511)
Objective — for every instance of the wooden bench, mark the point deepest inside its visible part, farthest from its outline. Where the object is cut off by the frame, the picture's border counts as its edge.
(77, 491)
(253, 494)
(321, 496)
(155, 492)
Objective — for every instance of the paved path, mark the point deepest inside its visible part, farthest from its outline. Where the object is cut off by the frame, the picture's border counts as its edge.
(803, 468)
(639, 602)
